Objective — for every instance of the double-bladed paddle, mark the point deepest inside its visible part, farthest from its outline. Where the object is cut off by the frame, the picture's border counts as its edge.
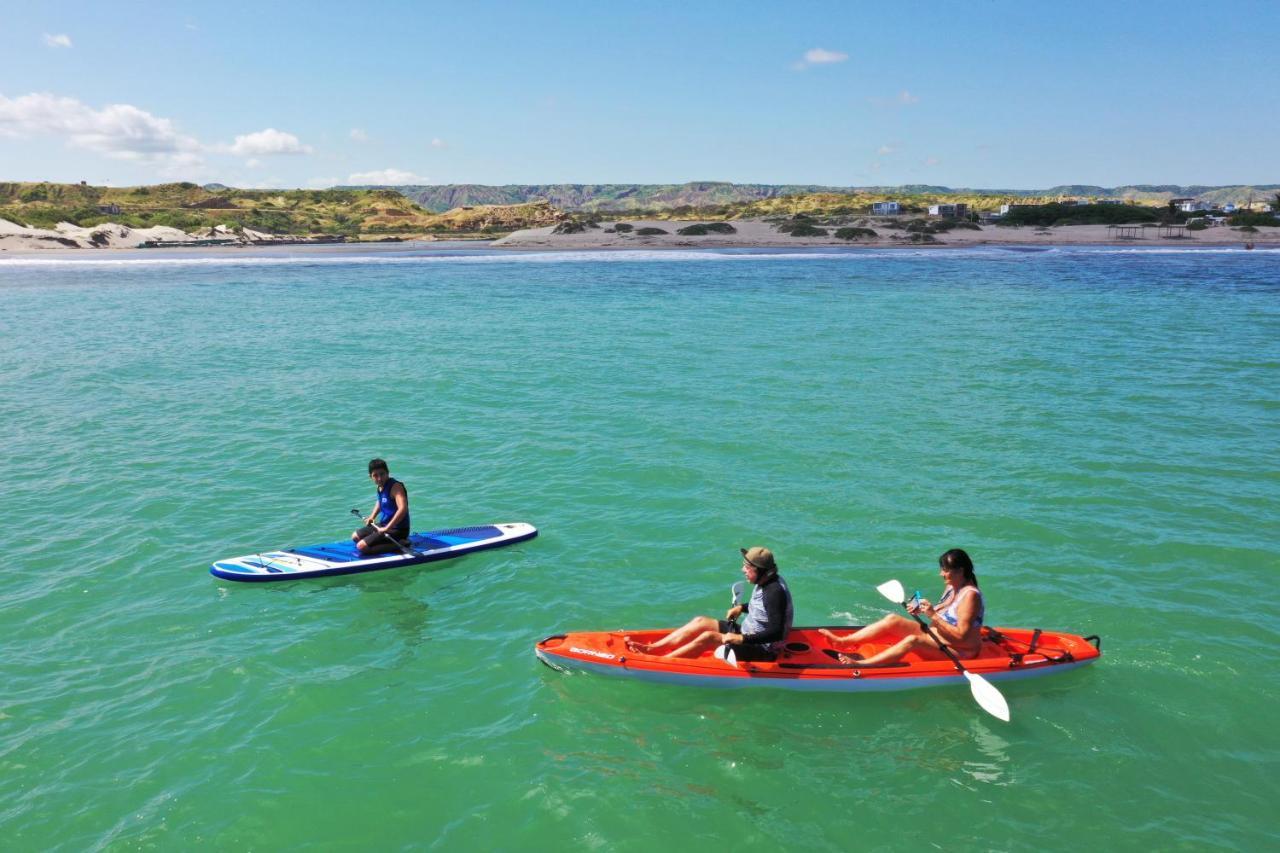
(725, 652)
(984, 692)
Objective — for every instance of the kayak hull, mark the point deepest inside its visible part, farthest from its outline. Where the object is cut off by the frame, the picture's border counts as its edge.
(808, 663)
(342, 558)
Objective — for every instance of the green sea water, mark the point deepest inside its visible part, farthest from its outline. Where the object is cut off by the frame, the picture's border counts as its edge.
(1099, 428)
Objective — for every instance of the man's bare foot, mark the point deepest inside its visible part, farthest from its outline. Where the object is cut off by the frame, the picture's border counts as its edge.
(833, 636)
(849, 657)
(636, 647)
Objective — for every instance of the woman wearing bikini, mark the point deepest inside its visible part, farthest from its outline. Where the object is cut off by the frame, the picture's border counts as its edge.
(957, 619)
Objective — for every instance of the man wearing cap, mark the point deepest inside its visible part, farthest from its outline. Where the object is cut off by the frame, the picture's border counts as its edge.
(769, 615)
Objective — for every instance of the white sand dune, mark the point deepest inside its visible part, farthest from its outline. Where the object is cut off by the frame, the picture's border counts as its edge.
(64, 235)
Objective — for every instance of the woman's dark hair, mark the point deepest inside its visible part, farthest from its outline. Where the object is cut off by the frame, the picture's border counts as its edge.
(378, 464)
(956, 558)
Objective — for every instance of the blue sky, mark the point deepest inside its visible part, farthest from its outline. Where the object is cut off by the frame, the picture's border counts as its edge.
(980, 93)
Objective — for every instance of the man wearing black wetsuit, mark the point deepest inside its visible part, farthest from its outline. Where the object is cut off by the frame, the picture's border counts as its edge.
(391, 512)
(769, 611)
(769, 615)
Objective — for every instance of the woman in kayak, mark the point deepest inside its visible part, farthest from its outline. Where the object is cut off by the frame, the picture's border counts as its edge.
(957, 619)
(769, 614)
(391, 512)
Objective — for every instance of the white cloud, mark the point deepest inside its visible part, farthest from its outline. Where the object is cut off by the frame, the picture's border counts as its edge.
(885, 149)
(120, 131)
(390, 177)
(59, 40)
(323, 183)
(819, 56)
(269, 141)
(359, 135)
(932, 161)
(253, 162)
(903, 98)
(438, 143)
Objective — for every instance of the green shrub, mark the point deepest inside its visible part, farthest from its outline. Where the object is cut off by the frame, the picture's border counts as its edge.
(623, 227)
(803, 230)
(1249, 229)
(856, 233)
(704, 228)
(1197, 226)
(1254, 218)
(650, 232)
(1089, 214)
(569, 226)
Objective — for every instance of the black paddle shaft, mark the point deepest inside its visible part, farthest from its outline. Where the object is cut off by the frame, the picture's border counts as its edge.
(941, 645)
(408, 552)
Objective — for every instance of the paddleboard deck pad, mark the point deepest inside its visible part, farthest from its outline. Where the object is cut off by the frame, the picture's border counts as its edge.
(342, 558)
(808, 661)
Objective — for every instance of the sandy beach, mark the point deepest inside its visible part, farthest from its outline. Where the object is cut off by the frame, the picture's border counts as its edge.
(748, 233)
(758, 233)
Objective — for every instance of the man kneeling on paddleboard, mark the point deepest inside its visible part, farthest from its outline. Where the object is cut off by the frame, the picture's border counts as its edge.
(769, 615)
(391, 511)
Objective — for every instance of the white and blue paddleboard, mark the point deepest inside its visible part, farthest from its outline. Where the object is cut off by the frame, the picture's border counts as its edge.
(342, 558)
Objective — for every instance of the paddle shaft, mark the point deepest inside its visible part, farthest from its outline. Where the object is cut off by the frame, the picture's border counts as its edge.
(943, 647)
(408, 552)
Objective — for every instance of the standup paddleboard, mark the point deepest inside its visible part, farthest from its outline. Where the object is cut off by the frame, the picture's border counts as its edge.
(342, 558)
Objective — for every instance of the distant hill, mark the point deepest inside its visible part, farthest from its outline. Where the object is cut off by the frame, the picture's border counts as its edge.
(701, 195)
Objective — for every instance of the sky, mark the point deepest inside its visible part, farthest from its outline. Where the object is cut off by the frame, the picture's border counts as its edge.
(979, 93)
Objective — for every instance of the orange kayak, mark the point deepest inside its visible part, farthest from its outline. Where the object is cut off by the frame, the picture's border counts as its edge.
(809, 661)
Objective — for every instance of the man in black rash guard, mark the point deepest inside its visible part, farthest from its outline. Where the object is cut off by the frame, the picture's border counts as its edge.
(390, 515)
(769, 615)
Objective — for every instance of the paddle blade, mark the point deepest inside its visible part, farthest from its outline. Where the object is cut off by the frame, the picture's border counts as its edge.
(726, 654)
(893, 591)
(736, 589)
(987, 696)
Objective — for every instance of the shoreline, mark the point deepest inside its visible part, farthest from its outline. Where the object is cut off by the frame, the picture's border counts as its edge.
(539, 241)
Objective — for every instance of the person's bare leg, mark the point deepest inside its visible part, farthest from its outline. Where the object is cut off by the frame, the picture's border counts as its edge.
(677, 637)
(890, 623)
(699, 644)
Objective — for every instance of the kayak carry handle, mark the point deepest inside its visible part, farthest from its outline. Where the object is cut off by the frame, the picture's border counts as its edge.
(1096, 640)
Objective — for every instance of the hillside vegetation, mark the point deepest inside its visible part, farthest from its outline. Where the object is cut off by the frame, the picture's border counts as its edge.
(635, 199)
(190, 207)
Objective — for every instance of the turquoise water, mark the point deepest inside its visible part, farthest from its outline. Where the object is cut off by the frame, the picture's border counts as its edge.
(1099, 428)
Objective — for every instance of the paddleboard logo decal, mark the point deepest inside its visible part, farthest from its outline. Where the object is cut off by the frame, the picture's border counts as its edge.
(593, 653)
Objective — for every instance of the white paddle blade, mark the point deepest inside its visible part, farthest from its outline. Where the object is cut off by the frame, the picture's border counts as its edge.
(726, 654)
(893, 591)
(736, 589)
(987, 696)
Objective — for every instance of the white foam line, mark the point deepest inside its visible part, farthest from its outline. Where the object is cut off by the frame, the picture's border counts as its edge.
(615, 256)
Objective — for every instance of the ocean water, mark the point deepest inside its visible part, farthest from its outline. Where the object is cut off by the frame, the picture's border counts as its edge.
(1099, 428)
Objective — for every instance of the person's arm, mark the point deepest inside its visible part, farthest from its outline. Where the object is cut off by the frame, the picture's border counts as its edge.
(401, 498)
(372, 514)
(775, 619)
(957, 634)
